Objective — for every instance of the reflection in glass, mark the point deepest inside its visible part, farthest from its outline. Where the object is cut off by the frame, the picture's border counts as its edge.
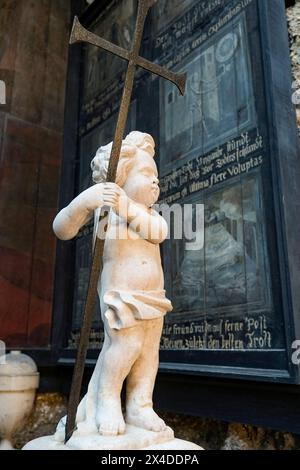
(218, 101)
(102, 68)
(230, 270)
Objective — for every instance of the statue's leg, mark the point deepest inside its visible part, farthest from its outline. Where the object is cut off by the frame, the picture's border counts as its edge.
(122, 351)
(141, 381)
(87, 409)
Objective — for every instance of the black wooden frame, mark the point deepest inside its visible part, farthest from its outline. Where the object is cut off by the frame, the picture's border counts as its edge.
(284, 143)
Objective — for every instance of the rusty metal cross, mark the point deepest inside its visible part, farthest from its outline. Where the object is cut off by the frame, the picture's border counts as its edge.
(80, 34)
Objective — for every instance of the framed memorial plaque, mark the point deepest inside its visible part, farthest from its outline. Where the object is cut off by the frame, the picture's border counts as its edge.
(229, 144)
(217, 148)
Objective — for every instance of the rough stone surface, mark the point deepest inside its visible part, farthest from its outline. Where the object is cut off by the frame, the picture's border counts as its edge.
(49, 408)
(217, 435)
(206, 433)
(242, 437)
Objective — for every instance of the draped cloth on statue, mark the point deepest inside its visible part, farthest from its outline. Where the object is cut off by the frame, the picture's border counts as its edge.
(127, 308)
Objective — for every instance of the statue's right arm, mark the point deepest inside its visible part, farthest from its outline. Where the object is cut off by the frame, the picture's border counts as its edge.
(78, 213)
(69, 221)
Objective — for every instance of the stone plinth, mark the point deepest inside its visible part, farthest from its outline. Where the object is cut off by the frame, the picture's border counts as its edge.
(133, 439)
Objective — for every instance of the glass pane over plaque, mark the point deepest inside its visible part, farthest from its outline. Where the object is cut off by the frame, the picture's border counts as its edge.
(214, 151)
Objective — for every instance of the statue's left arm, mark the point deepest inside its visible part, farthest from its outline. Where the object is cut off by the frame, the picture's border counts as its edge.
(144, 221)
(147, 223)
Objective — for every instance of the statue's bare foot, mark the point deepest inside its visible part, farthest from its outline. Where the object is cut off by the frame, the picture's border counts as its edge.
(110, 418)
(86, 428)
(145, 418)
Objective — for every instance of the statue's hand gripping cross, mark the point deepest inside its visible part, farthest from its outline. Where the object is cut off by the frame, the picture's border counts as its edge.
(80, 34)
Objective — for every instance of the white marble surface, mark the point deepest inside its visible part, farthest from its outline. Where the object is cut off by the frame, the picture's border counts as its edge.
(131, 289)
(133, 439)
(132, 299)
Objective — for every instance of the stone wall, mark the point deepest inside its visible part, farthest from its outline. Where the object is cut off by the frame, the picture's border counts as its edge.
(49, 409)
(208, 433)
(218, 435)
(33, 59)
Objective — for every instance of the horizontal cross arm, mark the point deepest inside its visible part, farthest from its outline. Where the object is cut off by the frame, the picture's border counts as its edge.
(178, 79)
(80, 34)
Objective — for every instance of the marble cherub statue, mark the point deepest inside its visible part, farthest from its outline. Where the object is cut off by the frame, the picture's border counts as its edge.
(131, 289)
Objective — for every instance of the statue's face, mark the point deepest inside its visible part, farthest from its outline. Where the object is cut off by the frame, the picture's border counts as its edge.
(142, 180)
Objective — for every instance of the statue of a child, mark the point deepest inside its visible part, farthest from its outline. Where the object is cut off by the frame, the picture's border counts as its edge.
(131, 290)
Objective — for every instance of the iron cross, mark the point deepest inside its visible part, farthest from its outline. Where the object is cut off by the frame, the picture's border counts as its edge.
(80, 34)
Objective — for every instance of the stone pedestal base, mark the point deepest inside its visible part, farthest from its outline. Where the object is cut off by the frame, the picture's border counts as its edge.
(133, 439)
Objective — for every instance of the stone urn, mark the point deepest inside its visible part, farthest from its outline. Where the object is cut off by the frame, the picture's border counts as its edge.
(19, 380)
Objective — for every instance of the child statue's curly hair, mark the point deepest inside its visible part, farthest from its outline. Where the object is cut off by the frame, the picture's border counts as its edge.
(134, 141)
